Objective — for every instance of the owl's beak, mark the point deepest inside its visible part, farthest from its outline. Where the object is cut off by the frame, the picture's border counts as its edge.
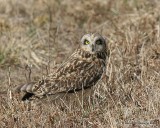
(93, 48)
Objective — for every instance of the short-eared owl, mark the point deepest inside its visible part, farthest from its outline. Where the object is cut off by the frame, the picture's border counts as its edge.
(82, 70)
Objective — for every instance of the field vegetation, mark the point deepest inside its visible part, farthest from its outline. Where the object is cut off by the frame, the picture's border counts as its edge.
(37, 35)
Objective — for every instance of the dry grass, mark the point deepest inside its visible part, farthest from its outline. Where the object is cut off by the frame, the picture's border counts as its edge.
(41, 33)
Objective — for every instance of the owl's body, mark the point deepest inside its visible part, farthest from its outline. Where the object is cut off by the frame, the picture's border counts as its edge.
(82, 70)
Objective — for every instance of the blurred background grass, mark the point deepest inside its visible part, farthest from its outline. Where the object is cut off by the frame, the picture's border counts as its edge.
(42, 33)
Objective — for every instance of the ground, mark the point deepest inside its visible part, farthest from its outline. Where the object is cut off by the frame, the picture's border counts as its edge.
(36, 36)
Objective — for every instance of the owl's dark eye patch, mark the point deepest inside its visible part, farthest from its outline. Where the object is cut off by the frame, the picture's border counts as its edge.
(99, 42)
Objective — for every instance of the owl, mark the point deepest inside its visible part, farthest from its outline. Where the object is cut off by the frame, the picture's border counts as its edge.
(82, 70)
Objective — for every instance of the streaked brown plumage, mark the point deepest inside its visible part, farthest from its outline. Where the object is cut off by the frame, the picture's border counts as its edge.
(82, 70)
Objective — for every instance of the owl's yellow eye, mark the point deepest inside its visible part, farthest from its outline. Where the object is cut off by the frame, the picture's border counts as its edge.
(86, 42)
(99, 42)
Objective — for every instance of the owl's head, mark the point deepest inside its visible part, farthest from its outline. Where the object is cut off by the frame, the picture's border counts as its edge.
(93, 43)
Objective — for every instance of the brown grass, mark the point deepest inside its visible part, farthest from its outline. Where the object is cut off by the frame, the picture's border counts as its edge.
(42, 33)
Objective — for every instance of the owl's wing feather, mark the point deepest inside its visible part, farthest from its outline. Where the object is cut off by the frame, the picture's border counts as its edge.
(74, 75)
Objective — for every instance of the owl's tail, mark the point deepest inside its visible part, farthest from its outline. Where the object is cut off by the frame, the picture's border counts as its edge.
(25, 88)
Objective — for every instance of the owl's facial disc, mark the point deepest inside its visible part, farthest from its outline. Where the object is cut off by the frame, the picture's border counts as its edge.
(93, 43)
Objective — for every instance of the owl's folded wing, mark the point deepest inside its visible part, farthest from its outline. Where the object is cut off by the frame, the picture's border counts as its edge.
(73, 76)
